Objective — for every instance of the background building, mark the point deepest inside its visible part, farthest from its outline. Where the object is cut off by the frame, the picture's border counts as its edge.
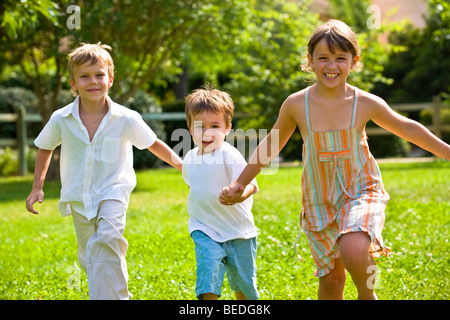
(413, 10)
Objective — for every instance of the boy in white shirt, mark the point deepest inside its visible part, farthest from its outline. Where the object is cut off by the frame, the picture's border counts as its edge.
(224, 236)
(96, 137)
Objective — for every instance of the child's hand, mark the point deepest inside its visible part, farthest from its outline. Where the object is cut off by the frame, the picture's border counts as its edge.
(231, 195)
(32, 198)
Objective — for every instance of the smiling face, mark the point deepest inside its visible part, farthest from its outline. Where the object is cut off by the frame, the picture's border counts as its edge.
(92, 81)
(208, 131)
(331, 66)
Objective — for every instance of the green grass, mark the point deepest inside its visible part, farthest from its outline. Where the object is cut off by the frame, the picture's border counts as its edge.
(38, 254)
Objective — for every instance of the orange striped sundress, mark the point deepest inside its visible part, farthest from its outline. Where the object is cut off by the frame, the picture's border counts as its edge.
(342, 191)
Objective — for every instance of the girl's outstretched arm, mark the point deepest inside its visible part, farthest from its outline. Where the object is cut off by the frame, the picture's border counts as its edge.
(409, 130)
(264, 153)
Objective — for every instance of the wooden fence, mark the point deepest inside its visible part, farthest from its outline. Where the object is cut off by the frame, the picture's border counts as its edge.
(437, 127)
(21, 118)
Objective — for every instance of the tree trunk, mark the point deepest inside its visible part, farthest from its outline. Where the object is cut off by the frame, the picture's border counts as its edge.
(53, 173)
(181, 88)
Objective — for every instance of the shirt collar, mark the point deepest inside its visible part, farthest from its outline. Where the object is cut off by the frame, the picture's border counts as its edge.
(113, 107)
(75, 110)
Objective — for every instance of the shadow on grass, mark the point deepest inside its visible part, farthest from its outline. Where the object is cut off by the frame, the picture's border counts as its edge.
(18, 188)
(413, 166)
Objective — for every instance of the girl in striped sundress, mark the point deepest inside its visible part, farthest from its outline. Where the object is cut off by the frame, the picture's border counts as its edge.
(343, 196)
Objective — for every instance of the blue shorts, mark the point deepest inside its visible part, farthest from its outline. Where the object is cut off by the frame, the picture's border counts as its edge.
(236, 256)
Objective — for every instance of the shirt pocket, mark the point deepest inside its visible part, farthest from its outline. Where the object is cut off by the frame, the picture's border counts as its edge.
(111, 149)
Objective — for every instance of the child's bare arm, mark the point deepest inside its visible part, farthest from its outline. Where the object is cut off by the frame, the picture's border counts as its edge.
(409, 130)
(265, 152)
(241, 196)
(163, 151)
(41, 167)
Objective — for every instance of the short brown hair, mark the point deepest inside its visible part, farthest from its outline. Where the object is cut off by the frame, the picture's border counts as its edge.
(93, 53)
(338, 35)
(211, 100)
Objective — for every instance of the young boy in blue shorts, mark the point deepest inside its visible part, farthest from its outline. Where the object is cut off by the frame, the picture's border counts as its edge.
(224, 236)
(96, 137)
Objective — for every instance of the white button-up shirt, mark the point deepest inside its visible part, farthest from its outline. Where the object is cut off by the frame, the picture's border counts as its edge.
(97, 170)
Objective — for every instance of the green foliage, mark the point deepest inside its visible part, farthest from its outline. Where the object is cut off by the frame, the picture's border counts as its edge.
(38, 254)
(160, 38)
(35, 54)
(151, 40)
(146, 104)
(374, 57)
(9, 162)
(353, 12)
(267, 61)
(14, 97)
(426, 118)
(253, 49)
(420, 70)
(373, 53)
(10, 101)
(389, 146)
(24, 15)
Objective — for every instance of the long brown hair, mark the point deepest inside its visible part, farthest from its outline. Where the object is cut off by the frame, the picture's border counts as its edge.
(338, 35)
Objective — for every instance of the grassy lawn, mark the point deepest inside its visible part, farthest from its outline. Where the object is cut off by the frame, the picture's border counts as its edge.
(38, 254)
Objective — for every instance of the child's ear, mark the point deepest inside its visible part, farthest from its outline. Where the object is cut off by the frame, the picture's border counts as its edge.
(355, 61)
(73, 85)
(111, 80)
(310, 61)
(228, 129)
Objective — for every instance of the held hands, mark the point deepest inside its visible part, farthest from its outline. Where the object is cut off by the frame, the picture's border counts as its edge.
(232, 194)
(32, 198)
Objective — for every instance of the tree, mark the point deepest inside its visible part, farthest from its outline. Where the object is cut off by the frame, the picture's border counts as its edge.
(33, 43)
(266, 62)
(17, 17)
(420, 69)
(353, 12)
(266, 65)
(152, 39)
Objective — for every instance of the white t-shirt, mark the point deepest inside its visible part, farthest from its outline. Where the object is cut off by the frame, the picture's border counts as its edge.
(97, 170)
(206, 175)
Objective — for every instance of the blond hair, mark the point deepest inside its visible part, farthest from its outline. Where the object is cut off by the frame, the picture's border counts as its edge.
(210, 100)
(338, 35)
(93, 53)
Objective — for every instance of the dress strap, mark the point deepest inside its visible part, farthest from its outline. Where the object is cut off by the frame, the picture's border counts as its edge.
(308, 121)
(354, 108)
(307, 109)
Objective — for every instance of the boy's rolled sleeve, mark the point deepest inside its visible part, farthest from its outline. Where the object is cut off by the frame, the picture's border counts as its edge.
(50, 136)
(141, 135)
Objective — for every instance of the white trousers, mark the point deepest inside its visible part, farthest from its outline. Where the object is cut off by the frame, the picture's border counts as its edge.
(102, 250)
